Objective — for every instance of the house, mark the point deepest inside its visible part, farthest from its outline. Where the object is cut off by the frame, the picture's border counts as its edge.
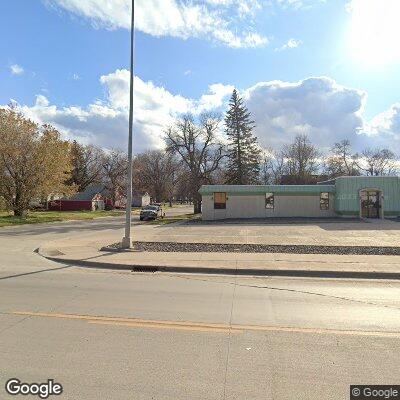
(42, 203)
(140, 199)
(95, 197)
(347, 196)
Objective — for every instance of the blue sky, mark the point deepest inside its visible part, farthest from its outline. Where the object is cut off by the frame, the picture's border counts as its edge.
(57, 52)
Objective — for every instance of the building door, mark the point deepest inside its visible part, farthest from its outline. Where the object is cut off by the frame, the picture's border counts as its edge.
(370, 205)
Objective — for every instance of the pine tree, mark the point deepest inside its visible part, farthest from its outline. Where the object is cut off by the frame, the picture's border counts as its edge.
(243, 151)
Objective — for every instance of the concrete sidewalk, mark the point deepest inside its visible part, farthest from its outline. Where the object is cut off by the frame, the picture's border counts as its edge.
(85, 251)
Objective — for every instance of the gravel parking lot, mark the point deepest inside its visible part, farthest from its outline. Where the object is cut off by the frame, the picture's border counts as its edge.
(307, 237)
(380, 233)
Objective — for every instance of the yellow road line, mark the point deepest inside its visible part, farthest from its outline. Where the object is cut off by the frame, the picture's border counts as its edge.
(201, 327)
(135, 322)
(117, 319)
(171, 325)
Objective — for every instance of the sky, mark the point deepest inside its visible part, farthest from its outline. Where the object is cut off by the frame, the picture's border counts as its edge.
(326, 68)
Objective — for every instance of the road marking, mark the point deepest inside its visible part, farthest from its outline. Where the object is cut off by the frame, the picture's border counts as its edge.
(166, 326)
(201, 326)
(136, 322)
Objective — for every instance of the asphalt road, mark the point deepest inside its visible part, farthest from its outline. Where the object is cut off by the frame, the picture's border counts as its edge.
(118, 335)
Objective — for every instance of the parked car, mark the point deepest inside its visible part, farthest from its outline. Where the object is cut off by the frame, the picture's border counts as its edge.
(151, 211)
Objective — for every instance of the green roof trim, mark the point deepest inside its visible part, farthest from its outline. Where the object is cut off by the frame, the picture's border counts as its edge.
(243, 190)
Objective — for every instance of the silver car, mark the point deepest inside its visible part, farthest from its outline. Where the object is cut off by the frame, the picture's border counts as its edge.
(151, 212)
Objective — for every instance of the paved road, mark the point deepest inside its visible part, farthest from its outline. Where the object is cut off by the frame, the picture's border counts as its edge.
(118, 335)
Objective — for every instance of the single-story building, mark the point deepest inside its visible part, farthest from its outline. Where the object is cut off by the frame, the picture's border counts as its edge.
(347, 196)
(140, 199)
(94, 197)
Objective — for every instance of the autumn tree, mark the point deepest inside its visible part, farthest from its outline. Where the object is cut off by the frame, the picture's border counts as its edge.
(86, 165)
(243, 166)
(34, 161)
(197, 147)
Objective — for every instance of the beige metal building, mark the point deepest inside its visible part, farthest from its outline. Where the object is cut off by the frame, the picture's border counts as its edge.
(364, 197)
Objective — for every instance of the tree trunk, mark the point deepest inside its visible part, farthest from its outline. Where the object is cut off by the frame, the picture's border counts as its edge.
(20, 212)
(18, 208)
(197, 206)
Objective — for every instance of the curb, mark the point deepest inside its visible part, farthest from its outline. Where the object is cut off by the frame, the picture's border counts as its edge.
(227, 271)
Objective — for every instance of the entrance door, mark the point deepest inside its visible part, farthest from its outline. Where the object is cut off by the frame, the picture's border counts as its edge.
(370, 204)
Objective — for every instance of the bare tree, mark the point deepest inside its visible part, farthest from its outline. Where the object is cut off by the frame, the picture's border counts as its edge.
(278, 167)
(273, 166)
(341, 161)
(198, 148)
(301, 158)
(115, 164)
(266, 166)
(156, 172)
(87, 165)
(182, 187)
(375, 162)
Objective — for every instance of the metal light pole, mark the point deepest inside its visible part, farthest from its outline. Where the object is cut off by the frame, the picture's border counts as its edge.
(127, 240)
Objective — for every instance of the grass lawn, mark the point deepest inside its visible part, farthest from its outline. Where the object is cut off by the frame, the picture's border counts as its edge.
(38, 217)
(175, 218)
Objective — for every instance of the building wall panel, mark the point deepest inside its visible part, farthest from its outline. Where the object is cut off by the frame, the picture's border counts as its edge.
(301, 206)
(248, 201)
(253, 206)
(348, 194)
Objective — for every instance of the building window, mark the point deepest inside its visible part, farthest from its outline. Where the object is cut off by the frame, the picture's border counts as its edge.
(324, 201)
(269, 201)
(219, 201)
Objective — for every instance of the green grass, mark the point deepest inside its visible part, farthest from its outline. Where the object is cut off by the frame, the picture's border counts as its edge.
(175, 205)
(40, 217)
(175, 218)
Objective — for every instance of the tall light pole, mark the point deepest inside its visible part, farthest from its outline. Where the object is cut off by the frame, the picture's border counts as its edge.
(127, 240)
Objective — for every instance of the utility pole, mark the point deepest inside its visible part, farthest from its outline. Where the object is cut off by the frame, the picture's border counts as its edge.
(127, 240)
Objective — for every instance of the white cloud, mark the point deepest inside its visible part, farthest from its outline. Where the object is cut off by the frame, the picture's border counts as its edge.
(290, 44)
(249, 40)
(244, 7)
(76, 77)
(384, 129)
(216, 99)
(319, 107)
(105, 123)
(176, 18)
(254, 40)
(16, 69)
(298, 4)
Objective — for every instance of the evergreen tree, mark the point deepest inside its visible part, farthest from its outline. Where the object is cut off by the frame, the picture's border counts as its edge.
(243, 167)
